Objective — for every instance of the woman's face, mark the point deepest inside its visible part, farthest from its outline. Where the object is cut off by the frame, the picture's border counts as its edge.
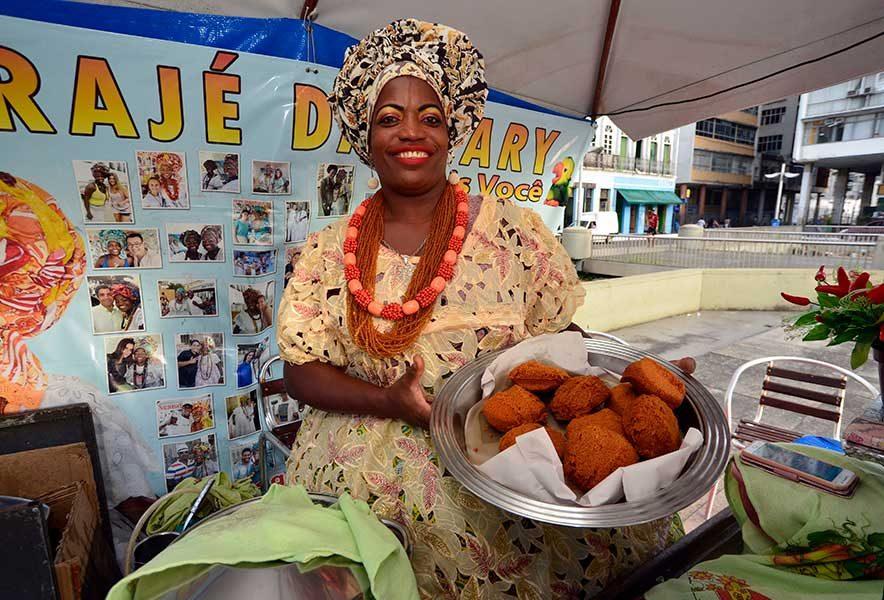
(192, 242)
(165, 170)
(124, 303)
(153, 187)
(278, 173)
(114, 248)
(250, 356)
(210, 241)
(98, 173)
(127, 350)
(141, 356)
(409, 138)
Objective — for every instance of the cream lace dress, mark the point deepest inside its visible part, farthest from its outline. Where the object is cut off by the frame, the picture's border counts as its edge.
(513, 280)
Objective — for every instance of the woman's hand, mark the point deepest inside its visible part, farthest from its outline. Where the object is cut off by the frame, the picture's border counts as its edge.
(406, 397)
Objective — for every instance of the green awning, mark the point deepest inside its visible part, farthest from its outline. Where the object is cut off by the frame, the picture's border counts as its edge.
(648, 197)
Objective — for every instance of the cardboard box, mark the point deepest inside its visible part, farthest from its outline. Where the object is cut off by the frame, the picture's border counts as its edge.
(61, 477)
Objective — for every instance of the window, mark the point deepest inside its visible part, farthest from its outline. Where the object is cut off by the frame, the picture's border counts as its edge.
(770, 143)
(624, 146)
(772, 116)
(653, 152)
(604, 199)
(608, 140)
(727, 131)
(721, 162)
(587, 196)
(667, 153)
(752, 110)
(844, 129)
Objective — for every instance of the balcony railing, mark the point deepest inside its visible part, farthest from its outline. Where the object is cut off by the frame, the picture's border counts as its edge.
(614, 162)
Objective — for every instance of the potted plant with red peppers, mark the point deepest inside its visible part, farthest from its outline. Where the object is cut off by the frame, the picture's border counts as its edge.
(849, 309)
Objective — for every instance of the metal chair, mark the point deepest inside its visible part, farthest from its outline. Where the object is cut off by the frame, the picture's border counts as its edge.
(820, 389)
(282, 413)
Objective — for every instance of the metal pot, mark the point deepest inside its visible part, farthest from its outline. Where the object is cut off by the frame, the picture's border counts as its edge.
(699, 409)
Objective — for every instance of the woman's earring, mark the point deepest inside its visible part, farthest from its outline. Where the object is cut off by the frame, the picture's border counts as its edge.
(373, 182)
(453, 178)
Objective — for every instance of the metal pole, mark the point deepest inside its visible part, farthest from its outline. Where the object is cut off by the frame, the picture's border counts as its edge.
(780, 191)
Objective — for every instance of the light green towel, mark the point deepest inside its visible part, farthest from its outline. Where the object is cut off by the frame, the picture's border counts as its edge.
(284, 527)
(801, 543)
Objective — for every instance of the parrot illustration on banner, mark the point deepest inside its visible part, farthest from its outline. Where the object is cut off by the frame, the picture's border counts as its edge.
(558, 192)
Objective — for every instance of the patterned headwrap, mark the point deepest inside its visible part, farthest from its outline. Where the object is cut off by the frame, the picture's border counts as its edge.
(126, 291)
(42, 260)
(168, 158)
(443, 57)
(112, 235)
(213, 229)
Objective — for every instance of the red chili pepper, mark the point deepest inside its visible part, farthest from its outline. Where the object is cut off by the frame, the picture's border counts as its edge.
(843, 278)
(799, 300)
(876, 294)
(860, 282)
(881, 333)
(832, 289)
(821, 274)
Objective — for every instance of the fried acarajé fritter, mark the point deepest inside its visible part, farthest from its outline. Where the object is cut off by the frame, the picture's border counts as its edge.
(593, 453)
(621, 396)
(578, 396)
(513, 407)
(537, 377)
(649, 377)
(605, 418)
(509, 438)
(651, 426)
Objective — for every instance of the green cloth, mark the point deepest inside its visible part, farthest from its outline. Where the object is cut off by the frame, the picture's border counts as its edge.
(648, 196)
(283, 527)
(800, 542)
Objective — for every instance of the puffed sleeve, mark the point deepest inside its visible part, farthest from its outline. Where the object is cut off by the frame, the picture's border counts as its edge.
(553, 290)
(306, 331)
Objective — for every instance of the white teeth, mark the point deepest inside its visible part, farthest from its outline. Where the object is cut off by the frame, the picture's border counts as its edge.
(412, 155)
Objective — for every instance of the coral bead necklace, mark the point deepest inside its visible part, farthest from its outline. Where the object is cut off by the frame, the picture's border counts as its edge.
(427, 295)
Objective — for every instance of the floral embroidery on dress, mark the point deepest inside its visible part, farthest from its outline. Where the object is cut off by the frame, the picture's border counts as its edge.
(514, 280)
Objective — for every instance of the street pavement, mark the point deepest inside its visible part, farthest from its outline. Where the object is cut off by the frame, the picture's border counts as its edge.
(721, 341)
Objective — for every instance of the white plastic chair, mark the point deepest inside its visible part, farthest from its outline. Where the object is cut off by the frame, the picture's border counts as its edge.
(748, 431)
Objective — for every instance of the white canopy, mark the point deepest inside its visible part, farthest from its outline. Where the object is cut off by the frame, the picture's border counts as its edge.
(650, 64)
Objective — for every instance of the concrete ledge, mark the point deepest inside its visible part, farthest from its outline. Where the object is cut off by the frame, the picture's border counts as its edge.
(614, 303)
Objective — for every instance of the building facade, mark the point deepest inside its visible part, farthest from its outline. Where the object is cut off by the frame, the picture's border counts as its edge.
(622, 179)
(714, 172)
(841, 129)
(773, 149)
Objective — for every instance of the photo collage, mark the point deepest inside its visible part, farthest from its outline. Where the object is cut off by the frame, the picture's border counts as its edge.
(132, 248)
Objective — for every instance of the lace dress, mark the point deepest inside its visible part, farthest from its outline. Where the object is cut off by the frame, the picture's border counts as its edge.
(513, 281)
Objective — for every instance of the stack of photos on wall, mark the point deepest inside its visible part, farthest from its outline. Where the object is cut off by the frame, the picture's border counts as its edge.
(185, 305)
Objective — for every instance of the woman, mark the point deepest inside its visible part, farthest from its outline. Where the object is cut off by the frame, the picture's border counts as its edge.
(212, 180)
(119, 199)
(145, 372)
(153, 197)
(191, 240)
(211, 240)
(128, 300)
(111, 259)
(118, 363)
(245, 371)
(208, 366)
(95, 195)
(170, 167)
(474, 276)
(242, 419)
(279, 185)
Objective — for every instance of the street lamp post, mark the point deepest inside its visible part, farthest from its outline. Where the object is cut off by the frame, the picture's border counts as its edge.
(782, 174)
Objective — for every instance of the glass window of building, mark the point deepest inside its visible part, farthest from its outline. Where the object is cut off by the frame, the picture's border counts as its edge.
(587, 196)
(604, 199)
(770, 143)
(772, 116)
(608, 140)
(653, 151)
(624, 146)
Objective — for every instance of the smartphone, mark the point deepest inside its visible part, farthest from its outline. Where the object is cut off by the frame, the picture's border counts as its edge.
(800, 468)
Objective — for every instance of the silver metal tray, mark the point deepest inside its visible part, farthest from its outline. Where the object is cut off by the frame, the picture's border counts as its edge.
(699, 409)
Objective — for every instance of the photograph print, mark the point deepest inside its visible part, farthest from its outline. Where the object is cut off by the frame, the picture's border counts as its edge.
(115, 303)
(271, 177)
(191, 242)
(219, 171)
(297, 221)
(252, 222)
(250, 359)
(134, 362)
(183, 416)
(124, 248)
(162, 177)
(104, 191)
(244, 463)
(200, 359)
(242, 414)
(254, 263)
(251, 307)
(334, 189)
(196, 458)
(187, 298)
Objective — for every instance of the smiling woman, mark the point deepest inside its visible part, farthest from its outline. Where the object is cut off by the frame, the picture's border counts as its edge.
(382, 307)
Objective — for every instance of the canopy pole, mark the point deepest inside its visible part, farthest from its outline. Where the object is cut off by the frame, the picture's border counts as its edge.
(307, 8)
(613, 14)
